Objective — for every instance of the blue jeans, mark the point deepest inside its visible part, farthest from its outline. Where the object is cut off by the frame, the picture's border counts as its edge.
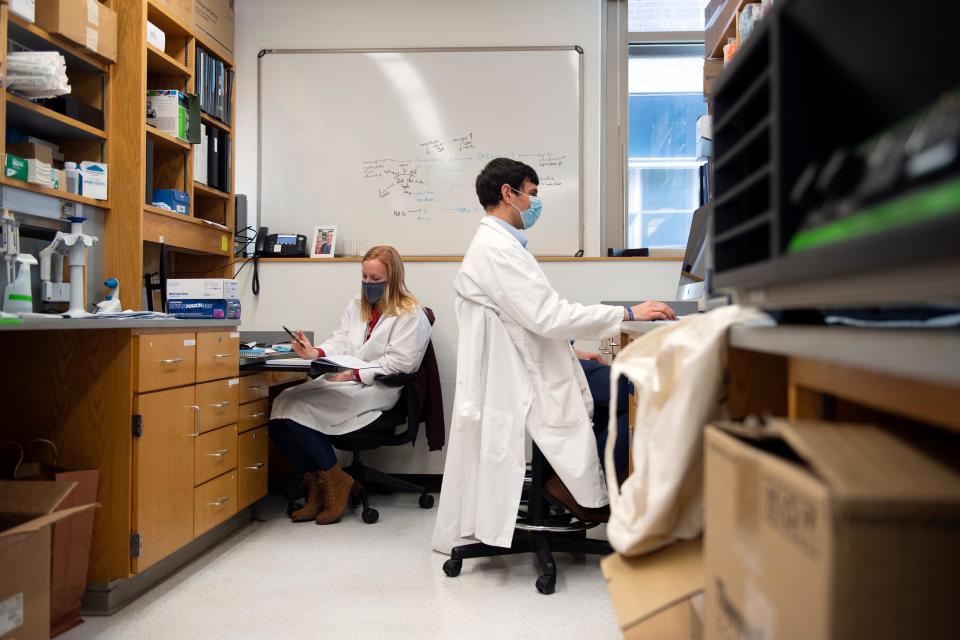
(308, 449)
(598, 378)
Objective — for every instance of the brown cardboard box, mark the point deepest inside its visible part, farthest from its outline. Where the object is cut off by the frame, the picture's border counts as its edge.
(27, 508)
(720, 22)
(74, 20)
(820, 531)
(215, 21)
(182, 10)
(711, 69)
(651, 594)
(32, 150)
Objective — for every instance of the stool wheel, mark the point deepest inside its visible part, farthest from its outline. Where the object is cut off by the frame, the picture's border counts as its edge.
(546, 584)
(370, 515)
(426, 501)
(452, 567)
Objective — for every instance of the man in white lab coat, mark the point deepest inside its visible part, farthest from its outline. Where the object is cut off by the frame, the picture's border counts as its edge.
(517, 373)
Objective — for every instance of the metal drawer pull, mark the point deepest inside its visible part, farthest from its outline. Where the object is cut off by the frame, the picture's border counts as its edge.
(256, 467)
(221, 405)
(219, 502)
(196, 421)
(172, 361)
(219, 453)
(223, 355)
(257, 386)
(259, 414)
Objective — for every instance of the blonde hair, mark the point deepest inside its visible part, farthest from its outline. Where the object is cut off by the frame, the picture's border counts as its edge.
(397, 299)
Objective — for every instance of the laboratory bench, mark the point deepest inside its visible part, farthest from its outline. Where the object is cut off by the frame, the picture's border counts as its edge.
(161, 409)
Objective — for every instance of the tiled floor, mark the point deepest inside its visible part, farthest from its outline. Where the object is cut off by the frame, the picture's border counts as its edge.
(277, 579)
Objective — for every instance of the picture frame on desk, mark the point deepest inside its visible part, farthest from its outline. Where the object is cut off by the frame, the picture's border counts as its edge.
(324, 241)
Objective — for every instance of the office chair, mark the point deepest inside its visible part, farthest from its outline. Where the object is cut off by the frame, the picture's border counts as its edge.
(540, 530)
(382, 432)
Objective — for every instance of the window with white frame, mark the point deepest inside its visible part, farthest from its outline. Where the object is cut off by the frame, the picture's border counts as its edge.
(664, 99)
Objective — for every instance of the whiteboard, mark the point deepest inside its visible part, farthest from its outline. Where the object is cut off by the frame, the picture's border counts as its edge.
(387, 144)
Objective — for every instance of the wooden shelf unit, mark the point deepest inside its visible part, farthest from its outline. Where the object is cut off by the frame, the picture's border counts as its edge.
(196, 244)
(46, 191)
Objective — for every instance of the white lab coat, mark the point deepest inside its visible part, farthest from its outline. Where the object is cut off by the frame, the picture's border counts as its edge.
(516, 371)
(396, 345)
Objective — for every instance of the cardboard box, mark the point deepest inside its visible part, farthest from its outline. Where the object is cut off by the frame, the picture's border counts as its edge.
(93, 180)
(176, 201)
(819, 531)
(32, 150)
(167, 110)
(203, 289)
(712, 68)
(15, 167)
(156, 36)
(73, 108)
(27, 509)
(216, 21)
(88, 23)
(181, 10)
(204, 309)
(653, 595)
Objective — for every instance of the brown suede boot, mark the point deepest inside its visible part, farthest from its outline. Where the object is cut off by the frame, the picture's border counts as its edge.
(314, 503)
(559, 492)
(337, 487)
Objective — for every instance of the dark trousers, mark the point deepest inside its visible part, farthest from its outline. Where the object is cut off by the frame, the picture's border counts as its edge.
(598, 378)
(308, 449)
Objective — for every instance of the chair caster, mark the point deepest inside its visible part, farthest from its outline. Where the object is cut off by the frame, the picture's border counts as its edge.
(546, 584)
(370, 515)
(452, 567)
(426, 501)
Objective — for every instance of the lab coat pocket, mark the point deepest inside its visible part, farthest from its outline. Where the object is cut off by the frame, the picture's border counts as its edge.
(495, 435)
(563, 404)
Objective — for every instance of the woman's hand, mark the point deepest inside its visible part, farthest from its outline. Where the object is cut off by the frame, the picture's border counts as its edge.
(343, 376)
(653, 310)
(303, 347)
(589, 355)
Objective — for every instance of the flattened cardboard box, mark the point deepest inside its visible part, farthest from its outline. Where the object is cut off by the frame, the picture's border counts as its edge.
(27, 509)
(817, 530)
(216, 20)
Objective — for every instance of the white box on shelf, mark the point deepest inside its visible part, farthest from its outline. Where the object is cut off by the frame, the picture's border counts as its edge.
(93, 179)
(156, 36)
(26, 9)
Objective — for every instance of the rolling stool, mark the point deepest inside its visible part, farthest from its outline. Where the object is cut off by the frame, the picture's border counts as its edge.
(538, 531)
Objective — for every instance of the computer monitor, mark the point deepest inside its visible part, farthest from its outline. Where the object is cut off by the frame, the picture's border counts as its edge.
(695, 272)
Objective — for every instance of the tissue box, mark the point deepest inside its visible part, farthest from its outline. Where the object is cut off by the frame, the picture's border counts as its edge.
(167, 111)
(15, 167)
(39, 172)
(172, 199)
(93, 179)
(203, 289)
(204, 309)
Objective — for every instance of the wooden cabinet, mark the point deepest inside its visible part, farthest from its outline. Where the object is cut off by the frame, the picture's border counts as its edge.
(253, 415)
(252, 467)
(163, 473)
(164, 360)
(218, 355)
(218, 403)
(254, 387)
(215, 454)
(214, 502)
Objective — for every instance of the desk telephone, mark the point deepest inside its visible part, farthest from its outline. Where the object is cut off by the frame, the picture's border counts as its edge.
(280, 245)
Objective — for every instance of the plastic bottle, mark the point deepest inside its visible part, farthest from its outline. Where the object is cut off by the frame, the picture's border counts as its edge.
(73, 177)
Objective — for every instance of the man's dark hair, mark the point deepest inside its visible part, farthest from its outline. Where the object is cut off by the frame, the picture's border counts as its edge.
(498, 172)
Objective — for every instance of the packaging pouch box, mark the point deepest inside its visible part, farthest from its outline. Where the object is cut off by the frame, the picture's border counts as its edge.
(176, 201)
(204, 309)
(167, 110)
(27, 509)
(15, 167)
(88, 23)
(826, 530)
(203, 289)
(93, 176)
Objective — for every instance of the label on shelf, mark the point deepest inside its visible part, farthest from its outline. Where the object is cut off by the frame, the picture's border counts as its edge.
(93, 39)
(189, 343)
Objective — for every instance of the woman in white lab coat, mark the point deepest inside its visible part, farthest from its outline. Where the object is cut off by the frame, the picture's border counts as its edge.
(383, 325)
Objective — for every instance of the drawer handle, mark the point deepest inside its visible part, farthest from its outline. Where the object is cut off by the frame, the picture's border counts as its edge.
(172, 361)
(258, 414)
(219, 453)
(219, 502)
(256, 467)
(223, 355)
(196, 421)
(257, 386)
(221, 405)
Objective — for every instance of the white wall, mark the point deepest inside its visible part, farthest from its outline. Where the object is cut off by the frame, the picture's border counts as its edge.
(312, 295)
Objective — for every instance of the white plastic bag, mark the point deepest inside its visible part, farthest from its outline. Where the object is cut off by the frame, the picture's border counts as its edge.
(677, 373)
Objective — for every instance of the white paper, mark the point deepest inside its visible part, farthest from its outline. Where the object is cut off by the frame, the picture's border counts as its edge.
(347, 362)
(287, 362)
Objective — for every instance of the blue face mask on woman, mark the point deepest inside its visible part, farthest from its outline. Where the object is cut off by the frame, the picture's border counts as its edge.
(373, 291)
(530, 216)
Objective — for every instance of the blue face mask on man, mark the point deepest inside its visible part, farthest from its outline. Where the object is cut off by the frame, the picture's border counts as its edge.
(531, 215)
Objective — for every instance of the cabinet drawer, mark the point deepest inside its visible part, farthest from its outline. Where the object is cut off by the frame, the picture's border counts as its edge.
(214, 502)
(218, 403)
(255, 387)
(218, 355)
(215, 453)
(252, 470)
(253, 414)
(165, 360)
(283, 377)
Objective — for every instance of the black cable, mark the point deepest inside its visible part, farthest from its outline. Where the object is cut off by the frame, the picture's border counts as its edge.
(255, 285)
